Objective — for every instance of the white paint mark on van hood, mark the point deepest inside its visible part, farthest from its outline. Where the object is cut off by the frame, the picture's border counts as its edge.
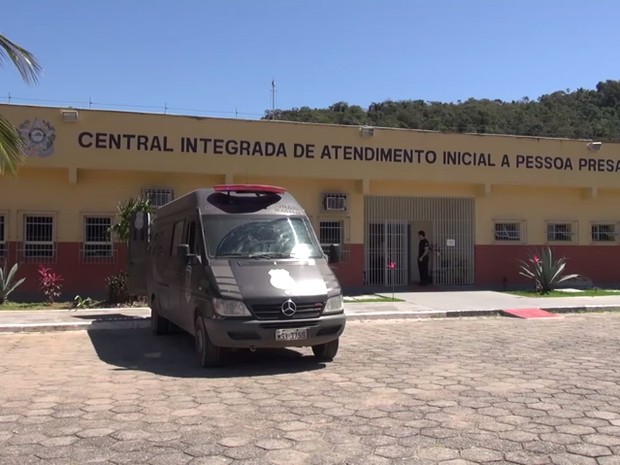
(266, 279)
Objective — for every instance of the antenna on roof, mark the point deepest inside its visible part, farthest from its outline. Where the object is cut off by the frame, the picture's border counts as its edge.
(273, 99)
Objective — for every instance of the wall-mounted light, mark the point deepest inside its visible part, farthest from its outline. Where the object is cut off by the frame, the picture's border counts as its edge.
(367, 131)
(594, 146)
(69, 116)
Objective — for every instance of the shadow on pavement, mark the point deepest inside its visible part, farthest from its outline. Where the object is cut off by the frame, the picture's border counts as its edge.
(173, 355)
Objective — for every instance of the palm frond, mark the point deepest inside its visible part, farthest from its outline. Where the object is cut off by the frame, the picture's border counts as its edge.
(11, 145)
(11, 155)
(25, 62)
(124, 210)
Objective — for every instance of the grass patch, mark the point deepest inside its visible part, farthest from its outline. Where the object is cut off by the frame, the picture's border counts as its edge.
(584, 293)
(598, 311)
(76, 304)
(35, 306)
(60, 305)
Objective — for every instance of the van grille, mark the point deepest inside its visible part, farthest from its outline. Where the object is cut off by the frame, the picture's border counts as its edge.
(289, 324)
(274, 311)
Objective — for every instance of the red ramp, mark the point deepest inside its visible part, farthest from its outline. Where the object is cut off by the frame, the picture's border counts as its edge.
(528, 313)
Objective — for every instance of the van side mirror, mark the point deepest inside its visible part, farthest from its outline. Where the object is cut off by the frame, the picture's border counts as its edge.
(185, 258)
(334, 253)
(183, 252)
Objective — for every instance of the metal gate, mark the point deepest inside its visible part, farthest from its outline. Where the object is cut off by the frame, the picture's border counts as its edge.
(391, 227)
(387, 253)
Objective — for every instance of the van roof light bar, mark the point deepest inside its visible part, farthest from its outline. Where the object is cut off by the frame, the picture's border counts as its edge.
(249, 188)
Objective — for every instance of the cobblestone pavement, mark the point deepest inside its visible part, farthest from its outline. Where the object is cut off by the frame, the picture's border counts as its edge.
(455, 392)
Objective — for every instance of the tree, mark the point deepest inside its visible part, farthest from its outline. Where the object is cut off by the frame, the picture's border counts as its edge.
(11, 145)
(582, 113)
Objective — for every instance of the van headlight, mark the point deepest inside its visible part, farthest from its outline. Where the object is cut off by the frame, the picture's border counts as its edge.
(334, 305)
(225, 307)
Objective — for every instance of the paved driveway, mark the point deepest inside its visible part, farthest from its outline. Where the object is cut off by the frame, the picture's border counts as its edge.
(493, 391)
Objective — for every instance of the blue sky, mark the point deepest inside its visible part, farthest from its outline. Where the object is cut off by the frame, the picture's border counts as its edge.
(218, 57)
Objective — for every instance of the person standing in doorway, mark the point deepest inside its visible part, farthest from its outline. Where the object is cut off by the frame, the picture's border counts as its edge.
(424, 255)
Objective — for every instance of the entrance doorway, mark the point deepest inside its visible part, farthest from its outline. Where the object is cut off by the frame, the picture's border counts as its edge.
(387, 254)
(391, 239)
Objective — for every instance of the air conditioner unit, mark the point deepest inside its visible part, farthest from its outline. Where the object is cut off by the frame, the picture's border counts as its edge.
(335, 202)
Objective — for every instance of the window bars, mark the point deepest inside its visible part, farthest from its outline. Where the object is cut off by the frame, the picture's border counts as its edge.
(38, 242)
(333, 232)
(604, 232)
(97, 246)
(508, 231)
(158, 196)
(561, 231)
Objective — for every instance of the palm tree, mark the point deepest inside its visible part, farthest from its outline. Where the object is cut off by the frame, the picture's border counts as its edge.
(11, 154)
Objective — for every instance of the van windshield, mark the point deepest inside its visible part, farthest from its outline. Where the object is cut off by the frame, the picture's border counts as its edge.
(260, 237)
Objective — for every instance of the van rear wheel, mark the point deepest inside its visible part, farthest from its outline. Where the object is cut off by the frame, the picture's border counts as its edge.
(208, 354)
(326, 352)
(159, 324)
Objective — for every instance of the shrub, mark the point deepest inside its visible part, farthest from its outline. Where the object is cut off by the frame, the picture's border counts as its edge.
(7, 281)
(124, 210)
(544, 271)
(80, 302)
(50, 283)
(117, 288)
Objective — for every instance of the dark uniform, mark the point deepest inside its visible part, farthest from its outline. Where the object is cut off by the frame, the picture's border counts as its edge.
(423, 259)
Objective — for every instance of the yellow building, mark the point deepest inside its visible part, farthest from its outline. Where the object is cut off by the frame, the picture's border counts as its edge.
(484, 201)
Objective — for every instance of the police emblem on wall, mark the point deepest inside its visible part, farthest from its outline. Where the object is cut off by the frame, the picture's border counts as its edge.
(38, 136)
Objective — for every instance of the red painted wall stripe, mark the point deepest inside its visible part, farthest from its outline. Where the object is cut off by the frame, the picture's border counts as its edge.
(497, 265)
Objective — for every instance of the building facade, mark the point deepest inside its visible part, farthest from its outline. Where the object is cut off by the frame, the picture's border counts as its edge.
(484, 201)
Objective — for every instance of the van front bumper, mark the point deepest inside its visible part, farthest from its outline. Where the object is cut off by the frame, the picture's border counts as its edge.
(262, 333)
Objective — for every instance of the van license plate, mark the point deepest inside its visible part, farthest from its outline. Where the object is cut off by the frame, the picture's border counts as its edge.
(291, 334)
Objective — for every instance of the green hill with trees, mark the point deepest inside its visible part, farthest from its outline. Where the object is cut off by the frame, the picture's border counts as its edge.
(580, 114)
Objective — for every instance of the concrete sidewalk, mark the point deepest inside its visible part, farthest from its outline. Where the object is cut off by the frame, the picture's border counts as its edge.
(443, 304)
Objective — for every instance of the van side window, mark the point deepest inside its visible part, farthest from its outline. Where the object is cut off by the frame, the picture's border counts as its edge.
(191, 237)
(177, 237)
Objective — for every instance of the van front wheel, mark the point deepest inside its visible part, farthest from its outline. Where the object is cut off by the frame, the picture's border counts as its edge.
(326, 352)
(208, 354)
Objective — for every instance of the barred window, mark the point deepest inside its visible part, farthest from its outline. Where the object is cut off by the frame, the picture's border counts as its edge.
(158, 195)
(97, 237)
(331, 232)
(560, 232)
(38, 236)
(510, 232)
(604, 232)
(3, 247)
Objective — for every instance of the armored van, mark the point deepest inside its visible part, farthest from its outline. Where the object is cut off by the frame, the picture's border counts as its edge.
(237, 266)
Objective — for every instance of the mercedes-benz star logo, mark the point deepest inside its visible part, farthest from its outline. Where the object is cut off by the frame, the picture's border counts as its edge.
(288, 308)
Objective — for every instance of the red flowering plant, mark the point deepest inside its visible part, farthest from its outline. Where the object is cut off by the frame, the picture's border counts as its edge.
(544, 270)
(50, 283)
(392, 266)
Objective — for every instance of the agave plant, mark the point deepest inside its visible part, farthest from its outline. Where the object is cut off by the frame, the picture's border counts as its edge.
(7, 282)
(545, 272)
